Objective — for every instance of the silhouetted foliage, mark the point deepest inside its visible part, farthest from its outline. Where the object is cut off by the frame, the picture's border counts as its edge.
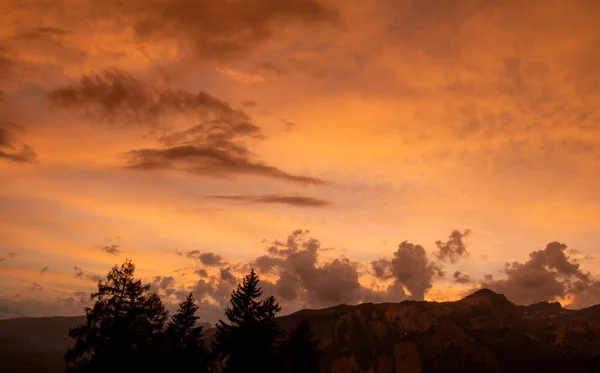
(250, 340)
(121, 326)
(302, 350)
(185, 343)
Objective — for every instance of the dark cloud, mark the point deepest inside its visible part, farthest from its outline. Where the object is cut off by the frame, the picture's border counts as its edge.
(10, 149)
(217, 29)
(214, 146)
(201, 272)
(410, 268)
(294, 200)
(226, 276)
(117, 96)
(111, 249)
(80, 274)
(300, 276)
(382, 268)
(548, 274)
(36, 287)
(203, 160)
(454, 248)
(207, 258)
(164, 285)
(44, 270)
(585, 294)
(266, 263)
(461, 278)
(163, 282)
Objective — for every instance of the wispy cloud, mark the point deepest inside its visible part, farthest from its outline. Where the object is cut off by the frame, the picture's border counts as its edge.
(293, 200)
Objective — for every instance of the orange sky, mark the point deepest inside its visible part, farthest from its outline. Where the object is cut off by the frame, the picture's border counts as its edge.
(366, 123)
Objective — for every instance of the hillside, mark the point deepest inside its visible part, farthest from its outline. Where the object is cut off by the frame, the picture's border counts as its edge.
(483, 332)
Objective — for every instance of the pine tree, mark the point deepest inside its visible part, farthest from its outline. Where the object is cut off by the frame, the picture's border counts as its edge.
(125, 320)
(249, 340)
(302, 351)
(185, 343)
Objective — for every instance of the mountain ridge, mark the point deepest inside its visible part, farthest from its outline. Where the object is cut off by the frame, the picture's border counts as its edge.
(483, 332)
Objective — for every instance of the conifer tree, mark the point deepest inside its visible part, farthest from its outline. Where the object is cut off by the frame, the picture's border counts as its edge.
(184, 338)
(125, 320)
(249, 339)
(302, 350)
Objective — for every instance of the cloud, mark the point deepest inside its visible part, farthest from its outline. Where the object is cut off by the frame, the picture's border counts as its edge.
(454, 248)
(203, 288)
(547, 275)
(293, 200)
(111, 249)
(302, 277)
(214, 146)
(11, 255)
(206, 161)
(410, 268)
(289, 125)
(164, 284)
(44, 270)
(382, 268)
(201, 272)
(585, 294)
(207, 258)
(461, 278)
(118, 96)
(36, 287)
(94, 277)
(226, 276)
(80, 274)
(240, 76)
(220, 29)
(74, 302)
(10, 150)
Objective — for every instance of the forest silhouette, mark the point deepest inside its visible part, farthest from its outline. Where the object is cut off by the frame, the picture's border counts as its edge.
(128, 329)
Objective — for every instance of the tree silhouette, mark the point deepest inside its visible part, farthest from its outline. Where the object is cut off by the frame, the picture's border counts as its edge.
(124, 321)
(185, 343)
(250, 339)
(302, 350)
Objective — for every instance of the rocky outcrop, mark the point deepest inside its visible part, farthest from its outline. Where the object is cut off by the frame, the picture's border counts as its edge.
(483, 332)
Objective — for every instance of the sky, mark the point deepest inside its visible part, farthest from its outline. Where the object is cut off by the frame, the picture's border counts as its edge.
(348, 151)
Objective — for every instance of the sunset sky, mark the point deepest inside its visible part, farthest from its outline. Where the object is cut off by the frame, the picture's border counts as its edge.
(326, 143)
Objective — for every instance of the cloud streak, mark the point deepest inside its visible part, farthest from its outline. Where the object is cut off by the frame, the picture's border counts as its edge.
(10, 149)
(216, 146)
(81, 274)
(293, 200)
